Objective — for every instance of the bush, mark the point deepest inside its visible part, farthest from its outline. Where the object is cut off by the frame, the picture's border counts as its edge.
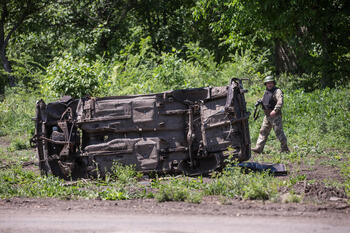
(145, 72)
(148, 72)
(77, 77)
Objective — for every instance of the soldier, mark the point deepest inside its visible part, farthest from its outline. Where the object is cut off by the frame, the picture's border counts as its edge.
(272, 102)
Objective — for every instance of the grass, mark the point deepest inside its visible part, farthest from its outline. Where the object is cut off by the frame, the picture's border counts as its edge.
(18, 144)
(316, 124)
(171, 192)
(18, 182)
(16, 113)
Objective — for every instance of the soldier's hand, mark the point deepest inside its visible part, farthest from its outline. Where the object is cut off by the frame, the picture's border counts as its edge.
(273, 113)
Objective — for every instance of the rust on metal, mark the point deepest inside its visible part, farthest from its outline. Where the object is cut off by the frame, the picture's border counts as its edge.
(191, 131)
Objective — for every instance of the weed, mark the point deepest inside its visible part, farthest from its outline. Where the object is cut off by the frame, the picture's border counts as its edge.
(296, 179)
(224, 200)
(333, 183)
(125, 173)
(16, 112)
(18, 182)
(194, 197)
(178, 189)
(173, 191)
(235, 184)
(18, 144)
(291, 197)
(113, 193)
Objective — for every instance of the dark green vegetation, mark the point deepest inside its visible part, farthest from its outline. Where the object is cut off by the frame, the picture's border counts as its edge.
(100, 42)
(53, 48)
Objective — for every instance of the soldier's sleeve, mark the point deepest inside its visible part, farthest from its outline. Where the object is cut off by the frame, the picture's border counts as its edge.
(279, 98)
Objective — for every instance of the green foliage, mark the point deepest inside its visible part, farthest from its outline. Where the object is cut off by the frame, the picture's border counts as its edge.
(235, 184)
(179, 190)
(291, 198)
(18, 182)
(304, 37)
(10, 155)
(16, 112)
(145, 72)
(18, 144)
(171, 193)
(28, 73)
(231, 183)
(299, 37)
(113, 194)
(69, 75)
(313, 121)
(331, 106)
(125, 174)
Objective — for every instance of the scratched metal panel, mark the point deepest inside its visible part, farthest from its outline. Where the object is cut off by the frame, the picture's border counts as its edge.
(186, 130)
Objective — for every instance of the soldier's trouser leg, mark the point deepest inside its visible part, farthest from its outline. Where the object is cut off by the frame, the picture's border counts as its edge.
(264, 133)
(278, 128)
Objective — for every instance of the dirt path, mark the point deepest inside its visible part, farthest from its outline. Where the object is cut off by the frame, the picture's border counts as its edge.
(50, 215)
(61, 221)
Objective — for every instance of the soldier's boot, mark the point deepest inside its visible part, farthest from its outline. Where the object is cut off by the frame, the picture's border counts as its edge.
(257, 150)
(260, 144)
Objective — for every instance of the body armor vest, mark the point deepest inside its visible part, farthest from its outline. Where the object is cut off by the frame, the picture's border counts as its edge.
(268, 101)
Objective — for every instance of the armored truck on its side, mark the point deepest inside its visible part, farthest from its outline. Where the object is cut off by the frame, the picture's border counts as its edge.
(189, 131)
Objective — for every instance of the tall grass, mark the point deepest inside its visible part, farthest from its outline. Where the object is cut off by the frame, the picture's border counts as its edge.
(317, 120)
(16, 112)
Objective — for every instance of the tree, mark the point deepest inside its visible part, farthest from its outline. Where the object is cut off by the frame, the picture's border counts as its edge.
(13, 15)
(304, 36)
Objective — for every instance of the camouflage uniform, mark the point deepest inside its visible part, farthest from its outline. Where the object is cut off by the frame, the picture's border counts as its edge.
(272, 122)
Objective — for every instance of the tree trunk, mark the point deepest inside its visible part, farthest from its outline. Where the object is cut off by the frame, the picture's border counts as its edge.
(7, 67)
(2, 89)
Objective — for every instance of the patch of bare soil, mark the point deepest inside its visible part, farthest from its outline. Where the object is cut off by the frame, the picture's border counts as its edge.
(209, 206)
(4, 141)
(5, 163)
(322, 192)
(314, 187)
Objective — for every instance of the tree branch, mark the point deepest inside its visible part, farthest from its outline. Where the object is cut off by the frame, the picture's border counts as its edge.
(19, 22)
(25, 14)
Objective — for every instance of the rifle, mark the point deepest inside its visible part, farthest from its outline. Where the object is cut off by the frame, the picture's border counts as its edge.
(256, 112)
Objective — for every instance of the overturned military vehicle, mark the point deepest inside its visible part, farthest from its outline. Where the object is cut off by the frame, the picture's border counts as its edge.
(189, 131)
